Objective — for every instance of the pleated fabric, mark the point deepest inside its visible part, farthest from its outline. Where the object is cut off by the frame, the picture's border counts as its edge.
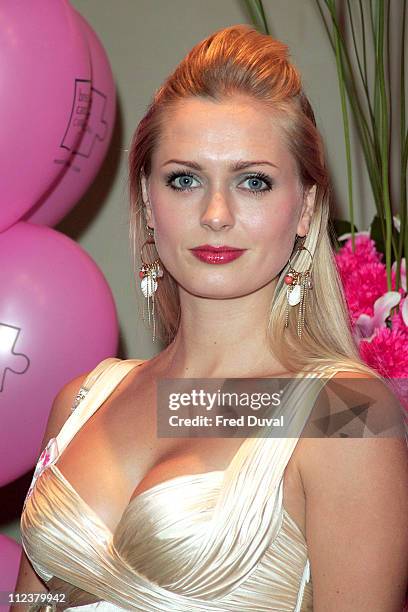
(215, 541)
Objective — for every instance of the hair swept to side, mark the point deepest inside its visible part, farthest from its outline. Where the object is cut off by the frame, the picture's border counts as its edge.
(239, 60)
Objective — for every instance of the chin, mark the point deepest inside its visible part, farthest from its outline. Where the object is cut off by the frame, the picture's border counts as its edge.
(216, 291)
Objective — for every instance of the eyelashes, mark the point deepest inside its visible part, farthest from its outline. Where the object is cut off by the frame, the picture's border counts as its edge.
(260, 176)
(177, 174)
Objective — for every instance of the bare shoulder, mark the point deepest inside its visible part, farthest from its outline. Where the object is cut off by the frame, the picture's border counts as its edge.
(356, 492)
(62, 406)
(381, 426)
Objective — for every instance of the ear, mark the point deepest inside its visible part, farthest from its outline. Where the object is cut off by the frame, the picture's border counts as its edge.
(146, 201)
(307, 212)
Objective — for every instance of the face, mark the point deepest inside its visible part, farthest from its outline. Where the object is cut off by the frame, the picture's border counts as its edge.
(196, 195)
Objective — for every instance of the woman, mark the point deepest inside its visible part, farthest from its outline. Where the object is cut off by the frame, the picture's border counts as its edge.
(228, 155)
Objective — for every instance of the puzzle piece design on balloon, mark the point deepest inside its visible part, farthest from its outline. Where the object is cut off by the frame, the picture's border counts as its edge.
(10, 360)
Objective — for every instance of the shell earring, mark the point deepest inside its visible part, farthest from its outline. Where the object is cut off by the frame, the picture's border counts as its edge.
(148, 274)
(298, 285)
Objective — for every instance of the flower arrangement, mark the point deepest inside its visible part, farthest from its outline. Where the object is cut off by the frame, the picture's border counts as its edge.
(360, 39)
(375, 290)
(378, 317)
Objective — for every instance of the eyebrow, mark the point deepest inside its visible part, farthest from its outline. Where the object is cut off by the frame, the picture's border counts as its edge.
(238, 165)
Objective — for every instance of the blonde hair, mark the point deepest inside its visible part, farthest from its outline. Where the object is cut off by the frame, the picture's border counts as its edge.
(239, 60)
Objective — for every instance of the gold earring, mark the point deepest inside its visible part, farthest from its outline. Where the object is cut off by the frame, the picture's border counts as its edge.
(148, 274)
(298, 285)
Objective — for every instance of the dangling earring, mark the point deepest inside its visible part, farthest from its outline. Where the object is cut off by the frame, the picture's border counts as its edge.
(149, 273)
(298, 285)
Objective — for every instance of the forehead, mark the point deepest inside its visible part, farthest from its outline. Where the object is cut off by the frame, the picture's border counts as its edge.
(236, 128)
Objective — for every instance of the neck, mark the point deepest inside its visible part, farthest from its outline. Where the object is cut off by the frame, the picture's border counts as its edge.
(223, 337)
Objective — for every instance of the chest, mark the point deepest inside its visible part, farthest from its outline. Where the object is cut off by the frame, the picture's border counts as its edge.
(116, 456)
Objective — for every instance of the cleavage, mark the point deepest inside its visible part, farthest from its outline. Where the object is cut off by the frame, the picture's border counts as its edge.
(188, 460)
(92, 458)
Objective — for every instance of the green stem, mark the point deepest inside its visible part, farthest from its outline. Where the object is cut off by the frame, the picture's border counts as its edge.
(403, 235)
(363, 73)
(350, 75)
(404, 220)
(384, 133)
(369, 143)
(257, 15)
(261, 8)
(364, 40)
(354, 103)
(340, 74)
(372, 147)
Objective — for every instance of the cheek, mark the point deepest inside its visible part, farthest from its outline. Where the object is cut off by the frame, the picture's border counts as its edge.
(170, 209)
(274, 226)
(171, 233)
(166, 220)
(273, 235)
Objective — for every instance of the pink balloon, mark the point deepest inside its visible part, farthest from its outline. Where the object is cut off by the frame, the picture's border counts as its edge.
(44, 97)
(57, 321)
(91, 151)
(10, 555)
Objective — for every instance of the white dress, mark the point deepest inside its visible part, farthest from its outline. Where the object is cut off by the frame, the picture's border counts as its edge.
(215, 541)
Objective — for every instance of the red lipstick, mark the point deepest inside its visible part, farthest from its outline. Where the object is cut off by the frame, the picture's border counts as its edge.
(216, 254)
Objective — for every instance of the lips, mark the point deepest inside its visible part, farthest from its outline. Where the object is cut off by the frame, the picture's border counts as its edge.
(216, 254)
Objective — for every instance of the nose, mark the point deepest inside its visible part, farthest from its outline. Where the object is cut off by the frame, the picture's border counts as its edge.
(217, 215)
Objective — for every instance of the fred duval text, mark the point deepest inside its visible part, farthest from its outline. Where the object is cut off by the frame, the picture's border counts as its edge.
(245, 420)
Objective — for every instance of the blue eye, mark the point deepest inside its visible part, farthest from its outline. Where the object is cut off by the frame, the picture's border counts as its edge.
(185, 185)
(187, 178)
(259, 177)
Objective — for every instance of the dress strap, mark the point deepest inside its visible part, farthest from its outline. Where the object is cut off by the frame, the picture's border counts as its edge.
(91, 379)
(250, 501)
(98, 386)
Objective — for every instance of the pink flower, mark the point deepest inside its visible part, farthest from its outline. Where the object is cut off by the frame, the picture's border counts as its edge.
(399, 320)
(365, 326)
(363, 285)
(364, 278)
(403, 287)
(365, 252)
(387, 352)
(369, 301)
